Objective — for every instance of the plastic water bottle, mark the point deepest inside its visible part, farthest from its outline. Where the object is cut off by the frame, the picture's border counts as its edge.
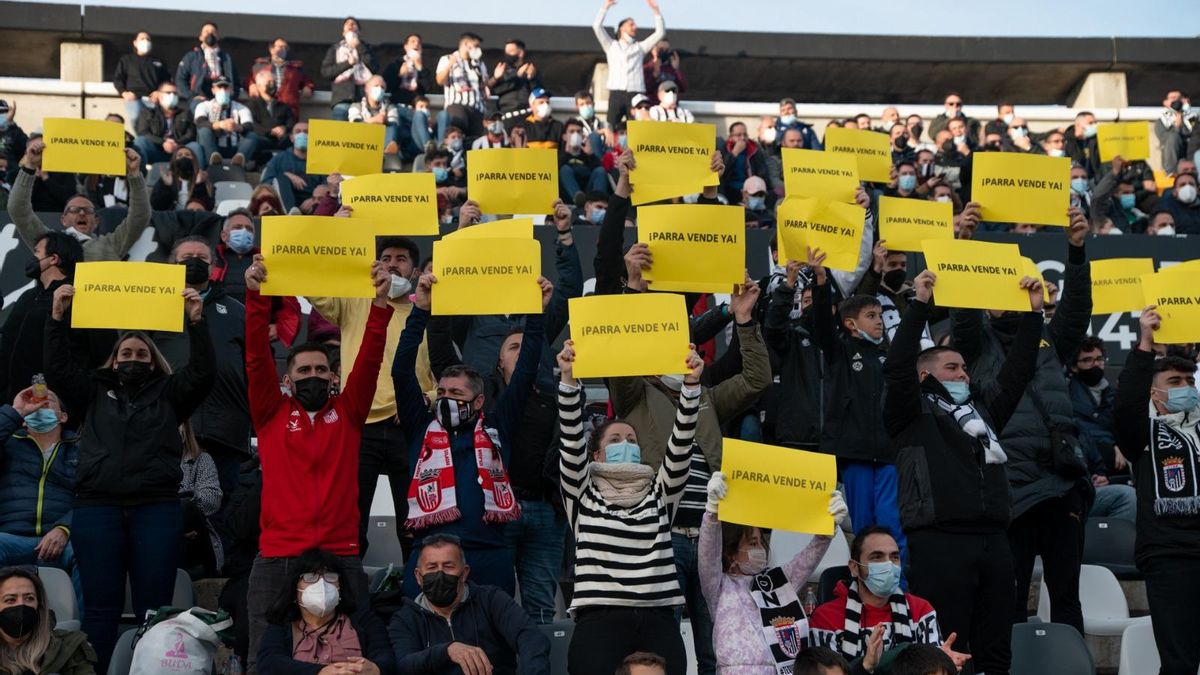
(233, 666)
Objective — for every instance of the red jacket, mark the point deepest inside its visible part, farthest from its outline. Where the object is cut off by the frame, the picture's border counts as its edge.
(828, 620)
(310, 467)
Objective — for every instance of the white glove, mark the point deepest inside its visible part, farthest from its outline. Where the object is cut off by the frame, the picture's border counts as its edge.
(837, 507)
(717, 489)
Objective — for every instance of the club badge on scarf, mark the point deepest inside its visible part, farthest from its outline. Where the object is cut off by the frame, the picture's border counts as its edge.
(432, 494)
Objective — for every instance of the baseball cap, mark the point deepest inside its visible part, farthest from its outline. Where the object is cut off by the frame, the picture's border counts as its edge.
(754, 185)
(537, 93)
(221, 81)
(638, 100)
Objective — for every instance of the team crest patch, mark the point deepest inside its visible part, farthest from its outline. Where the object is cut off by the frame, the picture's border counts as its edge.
(429, 494)
(787, 634)
(331, 417)
(501, 492)
(221, 309)
(1174, 477)
(857, 366)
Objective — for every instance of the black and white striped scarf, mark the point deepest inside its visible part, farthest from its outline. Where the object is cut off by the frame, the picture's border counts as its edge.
(973, 425)
(849, 641)
(1175, 451)
(785, 627)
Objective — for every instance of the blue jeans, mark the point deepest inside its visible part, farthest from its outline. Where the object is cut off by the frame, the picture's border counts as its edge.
(420, 129)
(686, 549)
(389, 134)
(1115, 501)
(404, 133)
(536, 541)
(598, 147)
(571, 176)
(133, 110)
(340, 111)
(115, 543)
(208, 141)
(489, 566)
(18, 550)
(871, 498)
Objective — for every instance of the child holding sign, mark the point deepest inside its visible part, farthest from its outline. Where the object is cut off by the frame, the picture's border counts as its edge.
(620, 511)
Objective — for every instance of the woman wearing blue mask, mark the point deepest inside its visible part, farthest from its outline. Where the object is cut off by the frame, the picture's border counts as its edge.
(620, 512)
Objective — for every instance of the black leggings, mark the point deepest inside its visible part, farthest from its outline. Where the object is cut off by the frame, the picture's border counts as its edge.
(604, 636)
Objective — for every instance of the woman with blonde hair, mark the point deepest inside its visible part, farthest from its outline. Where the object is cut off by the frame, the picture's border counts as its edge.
(28, 641)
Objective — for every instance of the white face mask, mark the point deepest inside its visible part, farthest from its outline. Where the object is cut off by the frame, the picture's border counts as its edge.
(142, 46)
(351, 36)
(755, 562)
(400, 287)
(768, 135)
(320, 598)
(668, 97)
(413, 54)
(542, 110)
(1186, 194)
(575, 139)
(1166, 231)
(943, 198)
(475, 54)
(168, 100)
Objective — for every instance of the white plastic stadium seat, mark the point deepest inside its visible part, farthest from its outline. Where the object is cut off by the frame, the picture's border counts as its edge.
(60, 596)
(1105, 610)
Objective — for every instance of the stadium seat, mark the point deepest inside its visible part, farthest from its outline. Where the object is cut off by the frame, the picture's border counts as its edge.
(1139, 653)
(1041, 648)
(60, 596)
(1109, 542)
(182, 597)
(559, 633)
(689, 645)
(829, 580)
(1105, 610)
(122, 656)
(383, 546)
(393, 163)
(227, 172)
(228, 190)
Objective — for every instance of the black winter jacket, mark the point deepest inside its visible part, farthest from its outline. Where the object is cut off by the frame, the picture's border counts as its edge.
(152, 123)
(346, 91)
(130, 444)
(944, 482)
(139, 74)
(800, 372)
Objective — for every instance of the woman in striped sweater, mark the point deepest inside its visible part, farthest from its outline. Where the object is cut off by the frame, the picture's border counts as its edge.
(620, 511)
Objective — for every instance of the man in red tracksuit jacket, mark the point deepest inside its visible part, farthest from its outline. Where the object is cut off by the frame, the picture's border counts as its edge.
(308, 444)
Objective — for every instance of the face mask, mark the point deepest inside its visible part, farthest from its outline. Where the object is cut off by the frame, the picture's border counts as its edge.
(597, 216)
(496, 128)
(960, 140)
(413, 54)
(888, 124)
(787, 120)
(197, 271)
(320, 598)
(33, 268)
(350, 36)
(587, 112)
(168, 101)
(281, 54)
(210, 40)
(454, 144)
(142, 46)
(241, 241)
(133, 372)
(907, 182)
(953, 112)
(400, 287)
(894, 279)
(1056, 152)
(867, 336)
(769, 135)
(756, 203)
(1079, 185)
(668, 97)
(222, 97)
(1089, 130)
(376, 93)
(42, 420)
(945, 199)
(542, 110)
(1008, 118)
(959, 391)
(475, 54)
(755, 562)
(18, 621)
(624, 452)
(301, 140)
(1181, 399)
(883, 578)
(312, 393)
(440, 588)
(1186, 194)
(1090, 376)
(440, 174)
(623, 141)
(1166, 231)
(1127, 200)
(575, 139)
(452, 413)
(1018, 133)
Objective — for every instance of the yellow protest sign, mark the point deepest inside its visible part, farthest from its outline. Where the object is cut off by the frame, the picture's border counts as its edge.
(823, 175)
(318, 255)
(905, 223)
(513, 180)
(509, 228)
(1130, 140)
(629, 335)
(1174, 291)
(83, 146)
(128, 296)
(487, 276)
(350, 148)
(834, 227)
(976, 274)
(777, 488)
(1013, 187)
(672, 159)
(397, 203)
(1117, 284)
(872, 149)
(697, 248)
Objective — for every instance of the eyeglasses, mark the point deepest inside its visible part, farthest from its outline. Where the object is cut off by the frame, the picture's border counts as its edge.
(76, 210)
(1092, 361)
(313, 577)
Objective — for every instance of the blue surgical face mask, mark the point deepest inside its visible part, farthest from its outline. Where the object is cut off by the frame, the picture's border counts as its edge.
(622, 141)
(960, 392)
(301, 141)
(440, 174)
(883, 578)
(867, 336)
(222, 97)
(587, 112)
(1128, 200)
(1079, 185)
(1182, 399)
(756, 203)
(42, 420)
(907, 182)
(787, 120)
(455, 144)
(1089, 130)
(241, 241)
(959, 140)
(376, 93)
(624, 452)
(597, 216)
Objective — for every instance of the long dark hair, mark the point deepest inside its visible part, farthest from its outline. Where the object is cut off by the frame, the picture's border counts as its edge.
(27, 655)
(286, 609)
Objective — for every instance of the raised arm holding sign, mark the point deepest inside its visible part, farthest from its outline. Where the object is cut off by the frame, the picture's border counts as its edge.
(1019, 188)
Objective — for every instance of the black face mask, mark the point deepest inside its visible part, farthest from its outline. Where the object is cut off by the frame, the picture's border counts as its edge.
(210, 40)
(197, 271)
(901, 141)
(312, 393)
(133, 372)
(1090, 376)
(440, 589)
(1007, 323)
(18, 621)
(895, 279)
(185, 168)
(33, 268)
